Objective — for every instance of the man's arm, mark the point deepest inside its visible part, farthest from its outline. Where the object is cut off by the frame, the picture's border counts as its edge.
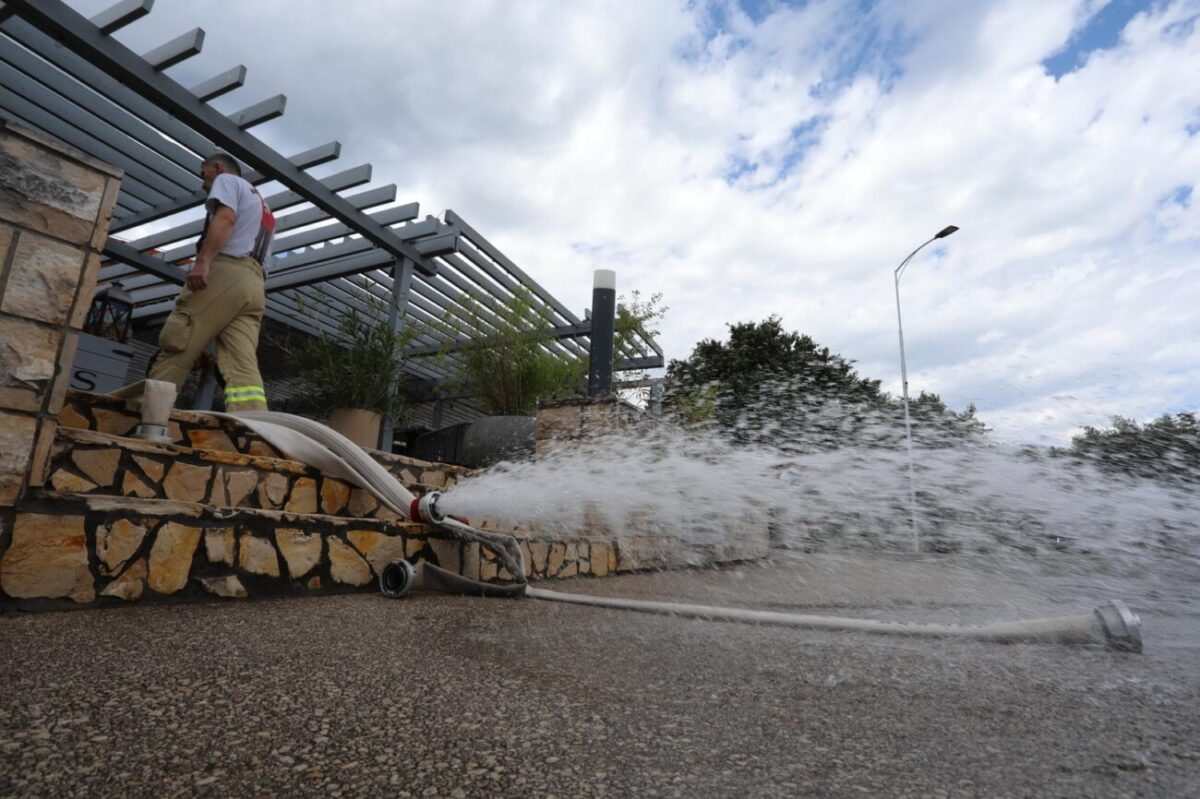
(220, 228)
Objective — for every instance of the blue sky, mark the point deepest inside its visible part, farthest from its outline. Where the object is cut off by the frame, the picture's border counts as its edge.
(1102, 31)
(780, 158)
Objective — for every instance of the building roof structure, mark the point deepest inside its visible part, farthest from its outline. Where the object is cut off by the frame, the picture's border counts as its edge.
(337, 250)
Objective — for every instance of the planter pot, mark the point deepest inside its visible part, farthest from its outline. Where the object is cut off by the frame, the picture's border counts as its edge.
(361, 427)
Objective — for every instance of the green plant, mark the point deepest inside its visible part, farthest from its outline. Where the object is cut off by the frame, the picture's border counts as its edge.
(635, 317)
(515, 366)
(360, 366)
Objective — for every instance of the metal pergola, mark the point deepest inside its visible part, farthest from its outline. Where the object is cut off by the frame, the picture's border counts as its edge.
(335, 251)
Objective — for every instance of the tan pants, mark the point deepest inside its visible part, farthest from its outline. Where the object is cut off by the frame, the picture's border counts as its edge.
(230, 309)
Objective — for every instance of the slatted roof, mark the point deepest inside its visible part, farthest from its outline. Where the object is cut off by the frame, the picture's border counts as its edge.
(338, 246)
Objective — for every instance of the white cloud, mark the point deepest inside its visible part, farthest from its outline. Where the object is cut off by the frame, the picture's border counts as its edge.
(618, 135)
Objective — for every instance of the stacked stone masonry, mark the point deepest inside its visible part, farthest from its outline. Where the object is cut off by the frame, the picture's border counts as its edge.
(220, 513)
(55, 205)
(100, 549)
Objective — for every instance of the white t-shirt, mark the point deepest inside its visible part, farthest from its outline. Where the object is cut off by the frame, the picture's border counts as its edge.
(254, 226)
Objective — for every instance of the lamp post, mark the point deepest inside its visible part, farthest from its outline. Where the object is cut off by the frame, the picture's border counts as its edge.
(912, 483)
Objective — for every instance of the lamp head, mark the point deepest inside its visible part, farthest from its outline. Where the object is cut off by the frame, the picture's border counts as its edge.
(946, 231)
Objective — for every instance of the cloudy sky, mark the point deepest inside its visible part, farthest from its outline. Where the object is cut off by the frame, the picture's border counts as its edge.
(763, 157)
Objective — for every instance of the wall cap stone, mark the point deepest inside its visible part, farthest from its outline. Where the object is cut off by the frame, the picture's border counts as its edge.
(65, 150)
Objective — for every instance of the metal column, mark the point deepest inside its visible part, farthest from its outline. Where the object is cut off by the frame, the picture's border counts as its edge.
(402, 272)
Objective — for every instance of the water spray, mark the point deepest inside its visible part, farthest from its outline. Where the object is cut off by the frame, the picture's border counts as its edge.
(302, 439)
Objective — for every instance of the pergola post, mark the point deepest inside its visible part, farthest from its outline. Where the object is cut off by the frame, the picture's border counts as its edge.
(402, 272)
(604, 308)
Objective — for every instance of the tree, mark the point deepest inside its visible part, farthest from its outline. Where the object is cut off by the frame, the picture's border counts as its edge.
(757, 353)
(361, 365)
(635, 317)
(936, 426)
(768, 385)
(1167, 448)
(515, 368)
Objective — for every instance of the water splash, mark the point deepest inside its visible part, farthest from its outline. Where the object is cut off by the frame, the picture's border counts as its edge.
(834, 478)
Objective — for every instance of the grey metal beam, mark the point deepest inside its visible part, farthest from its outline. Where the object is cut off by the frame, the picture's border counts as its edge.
(304, 160)
(136, 182)
(503, 288)
(287, 277)
(337, 230)
(351, 292)
(282, 276)
(500, 291)
(472, 255)
(151, 168)
(345, 179)
(361, 201)
(219, 85)
(265, 111)
(493, 252)
(104, 84)
(148, 263)
(138, 107)
(115, 17)
(176, 51)
(116, 271)
(629, 364)
(60, 21)
(444, 244)
(558, 332)
(102, 108)
(307, 238)
(410, 232)
(423, 315)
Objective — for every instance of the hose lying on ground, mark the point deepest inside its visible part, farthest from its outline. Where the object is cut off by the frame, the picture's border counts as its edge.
(1112, 623)
(316, 445)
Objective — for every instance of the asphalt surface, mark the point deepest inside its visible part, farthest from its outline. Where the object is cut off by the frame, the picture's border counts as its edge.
(452, 696)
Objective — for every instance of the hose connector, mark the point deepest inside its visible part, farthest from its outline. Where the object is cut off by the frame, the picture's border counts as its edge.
(1122, 627)
(426, 509)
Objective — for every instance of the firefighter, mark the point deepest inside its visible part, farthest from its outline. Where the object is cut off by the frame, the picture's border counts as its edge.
(224, 296)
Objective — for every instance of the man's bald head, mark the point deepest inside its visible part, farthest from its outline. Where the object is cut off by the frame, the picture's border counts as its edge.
(226, 162)
(217, 164)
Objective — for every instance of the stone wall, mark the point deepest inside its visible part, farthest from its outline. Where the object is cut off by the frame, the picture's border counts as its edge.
(644, 540)
(200, 431)
(70, 550)
(575, 420)
(55, 205)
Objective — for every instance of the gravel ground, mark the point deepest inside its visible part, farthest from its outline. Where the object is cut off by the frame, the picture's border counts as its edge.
(450, 696)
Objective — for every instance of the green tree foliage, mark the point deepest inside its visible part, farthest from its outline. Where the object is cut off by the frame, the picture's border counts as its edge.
(635, 317)
(1167, 448)
(360, 366)
(514, 368)
(937, 426)
(769, 385)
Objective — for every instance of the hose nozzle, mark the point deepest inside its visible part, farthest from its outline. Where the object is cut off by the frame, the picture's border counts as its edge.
(1122, 627)
(425, 509)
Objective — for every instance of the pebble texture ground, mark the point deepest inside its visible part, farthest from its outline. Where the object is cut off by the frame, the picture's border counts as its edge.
(430, 695)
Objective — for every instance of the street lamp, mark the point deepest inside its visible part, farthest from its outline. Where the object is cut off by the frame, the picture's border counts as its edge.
(912, 484)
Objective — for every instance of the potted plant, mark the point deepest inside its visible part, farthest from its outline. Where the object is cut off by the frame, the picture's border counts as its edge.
(354, 376)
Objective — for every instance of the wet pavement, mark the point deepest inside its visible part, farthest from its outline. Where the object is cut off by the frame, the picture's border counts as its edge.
(449, 696)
